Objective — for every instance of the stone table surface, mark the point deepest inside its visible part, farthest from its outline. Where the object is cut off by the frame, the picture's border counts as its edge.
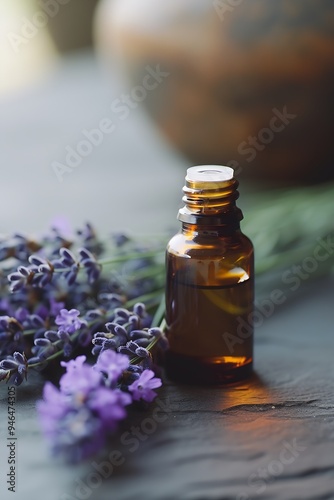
(271, 437)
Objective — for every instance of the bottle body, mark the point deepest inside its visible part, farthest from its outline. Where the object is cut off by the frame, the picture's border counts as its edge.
(210, 285)
(209, 303)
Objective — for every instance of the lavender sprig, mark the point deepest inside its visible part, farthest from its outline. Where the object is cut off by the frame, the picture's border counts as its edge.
(93, 400)
(84, 283)
(70, 297)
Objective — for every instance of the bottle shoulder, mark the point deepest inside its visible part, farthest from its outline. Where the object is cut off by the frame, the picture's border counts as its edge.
(209, 243)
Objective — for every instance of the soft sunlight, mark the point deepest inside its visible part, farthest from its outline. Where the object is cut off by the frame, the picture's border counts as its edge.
(23, 59)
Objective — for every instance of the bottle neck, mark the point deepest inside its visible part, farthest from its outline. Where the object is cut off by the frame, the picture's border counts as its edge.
(211, 204)
(202, 230)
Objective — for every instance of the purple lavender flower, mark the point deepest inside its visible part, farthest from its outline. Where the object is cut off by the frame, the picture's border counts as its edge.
(17, 366)
(69, 425)
(69, 264)
(112, 364)
(118, 331)
(53, 407)
(133, 349)
(136, 319)
(77, 418)
(109, 404)
(114, 338)
(92, 399)
(65, 340)
(80, 378)
(11, 336)
(20, 278)
(67, 257)
(43, 348)
(103, 341)
(44, 275)
(16, 246)
(93, 268)
(69, 320)
(41, 271)
(51, 342)
(89, 239)
(142, 387)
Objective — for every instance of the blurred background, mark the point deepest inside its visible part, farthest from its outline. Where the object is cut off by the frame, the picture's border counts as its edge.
(104, 104)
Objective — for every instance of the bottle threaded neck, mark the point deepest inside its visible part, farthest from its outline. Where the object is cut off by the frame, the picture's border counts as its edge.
(210, 193)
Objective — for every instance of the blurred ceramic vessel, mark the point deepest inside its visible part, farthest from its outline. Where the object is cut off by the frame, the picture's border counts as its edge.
(70, 22)
(250, 81)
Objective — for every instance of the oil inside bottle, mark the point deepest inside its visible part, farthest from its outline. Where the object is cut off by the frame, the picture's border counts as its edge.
(210, 330)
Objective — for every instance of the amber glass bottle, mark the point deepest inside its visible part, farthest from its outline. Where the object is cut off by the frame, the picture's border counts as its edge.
(210, 283)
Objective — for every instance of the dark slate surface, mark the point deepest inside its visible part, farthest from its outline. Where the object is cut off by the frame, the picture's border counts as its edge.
(271, 437)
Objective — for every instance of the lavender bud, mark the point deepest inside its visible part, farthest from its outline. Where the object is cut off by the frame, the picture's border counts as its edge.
(123, 350)
(89, 263)
(44, 268)
(131, 377)
(42, 342)
(96, 350)
(63, 335)
(67, 256)
(51, 335)
(22, 369)
(111, 327)
(121, 333)
(155, 332)
(98, 341)
(142, 352)
(8, 364)
(17, 286)
(14, 276)
(36, 260)
(139, 334)
(132, 346)
(93, 314)
(36, 320)
(109, 344)
(122, 313)
(19, 358)
(143, 342)
(93, 274)
(58, 264)
(134, 321)
(135, 368)
(24, 271)
(71, 277)
(85, 254)
(139, 309)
